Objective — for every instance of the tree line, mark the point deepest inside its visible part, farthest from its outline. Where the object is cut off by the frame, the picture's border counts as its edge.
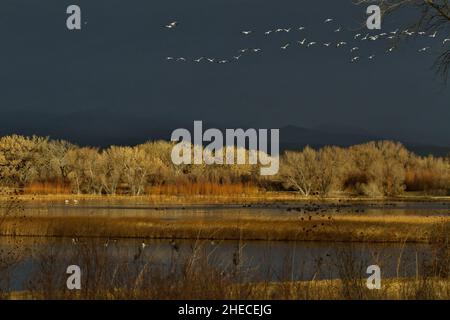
(381, 168)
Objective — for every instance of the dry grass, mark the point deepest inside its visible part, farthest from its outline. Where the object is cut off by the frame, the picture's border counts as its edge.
(304, 222)
(424, 180)
(260, 197)
(392, 289)
(192, 276)
(47, 188)
(334, 289)
(189, 189)
(309, 226)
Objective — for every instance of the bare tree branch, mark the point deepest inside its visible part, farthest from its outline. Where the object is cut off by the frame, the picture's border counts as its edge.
(433, 15)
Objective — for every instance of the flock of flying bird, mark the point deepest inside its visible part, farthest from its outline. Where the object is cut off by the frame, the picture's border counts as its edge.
(306, 43)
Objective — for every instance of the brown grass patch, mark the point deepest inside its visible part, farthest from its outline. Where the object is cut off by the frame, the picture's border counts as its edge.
(307, 227)
(203, 189)
(47, 188)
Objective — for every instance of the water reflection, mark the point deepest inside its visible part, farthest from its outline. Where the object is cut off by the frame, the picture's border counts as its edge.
(272, 261)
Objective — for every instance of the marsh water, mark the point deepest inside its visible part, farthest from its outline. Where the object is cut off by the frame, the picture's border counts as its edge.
(122, 209)
(260, 260)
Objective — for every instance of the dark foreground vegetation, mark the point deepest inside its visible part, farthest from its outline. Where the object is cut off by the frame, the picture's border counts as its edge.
(38, 165)
(192, 275)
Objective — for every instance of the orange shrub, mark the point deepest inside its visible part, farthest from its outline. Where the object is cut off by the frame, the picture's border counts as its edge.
(47, 187)
(421, 180)
(205, 188)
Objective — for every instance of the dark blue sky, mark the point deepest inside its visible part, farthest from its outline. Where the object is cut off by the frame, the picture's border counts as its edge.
(111, 80)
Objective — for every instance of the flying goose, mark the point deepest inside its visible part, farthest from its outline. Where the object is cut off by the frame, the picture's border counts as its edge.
(328, 20)
(285, 46)
(394, 32)
(171, 25)
(390, 50)
(424, 49)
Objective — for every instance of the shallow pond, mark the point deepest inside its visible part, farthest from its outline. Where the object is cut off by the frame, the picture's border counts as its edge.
(258, 260)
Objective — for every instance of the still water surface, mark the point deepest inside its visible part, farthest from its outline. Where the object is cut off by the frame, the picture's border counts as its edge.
(260, 260)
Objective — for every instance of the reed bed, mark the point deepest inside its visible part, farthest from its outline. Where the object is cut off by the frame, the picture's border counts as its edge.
(207, 188)
(47, 188)
(323, 227)
(267, 198)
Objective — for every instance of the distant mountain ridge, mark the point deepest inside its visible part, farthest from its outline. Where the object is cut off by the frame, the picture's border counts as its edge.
(296, 138)
(121, 128)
